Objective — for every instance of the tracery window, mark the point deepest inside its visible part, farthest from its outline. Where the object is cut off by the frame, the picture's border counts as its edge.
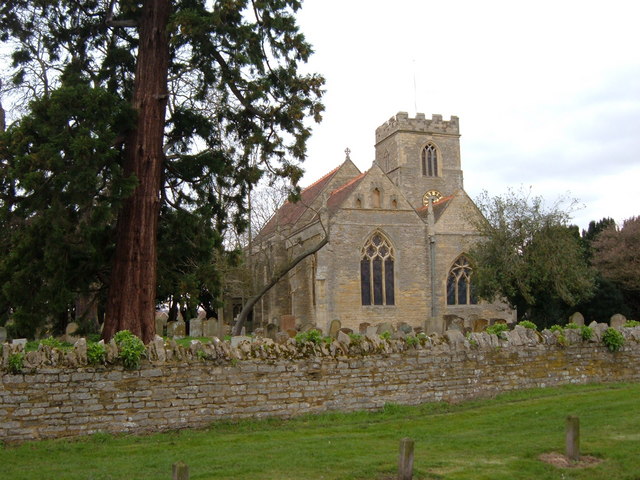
(376, 271)
(460, 289)
(429, 161)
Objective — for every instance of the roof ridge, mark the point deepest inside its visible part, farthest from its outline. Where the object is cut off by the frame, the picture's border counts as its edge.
(350, 182)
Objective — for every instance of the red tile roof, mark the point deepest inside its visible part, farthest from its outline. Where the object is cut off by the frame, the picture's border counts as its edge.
(290, 213)
(341, 193)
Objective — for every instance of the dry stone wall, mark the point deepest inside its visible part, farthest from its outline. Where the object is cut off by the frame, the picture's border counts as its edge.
(59, 395)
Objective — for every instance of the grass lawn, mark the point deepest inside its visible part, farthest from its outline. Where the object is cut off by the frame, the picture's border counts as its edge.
(493, 439)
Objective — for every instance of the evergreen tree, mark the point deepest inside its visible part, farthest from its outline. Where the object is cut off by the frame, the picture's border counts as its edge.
(210, 84)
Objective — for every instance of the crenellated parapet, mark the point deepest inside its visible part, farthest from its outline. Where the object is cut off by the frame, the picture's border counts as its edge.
(402, 122)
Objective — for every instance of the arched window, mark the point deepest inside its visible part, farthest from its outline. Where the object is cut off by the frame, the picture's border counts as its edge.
(376, 271)
(429, 161)
(460, 289)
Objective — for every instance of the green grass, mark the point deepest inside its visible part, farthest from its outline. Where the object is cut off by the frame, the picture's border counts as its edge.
(488, 439)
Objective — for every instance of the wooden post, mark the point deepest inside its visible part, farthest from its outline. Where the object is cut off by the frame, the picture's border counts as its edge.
(405, 460)
(572, 438)
(180, 471)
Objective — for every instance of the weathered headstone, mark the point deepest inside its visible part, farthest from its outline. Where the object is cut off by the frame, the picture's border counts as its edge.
(577, 318)
(271, 331)
(19, 341)
(171, 329)
(3, 334)
(202, 315)
(287, 322)
(160, 325)
(71, 330)
(346, 330)
(572, 438)
(162, 315)
(405, 328)
(372, 330)
(480, 324)
(362, 328)
(176, 329)
(334, 328)
(405, 459)
(617, 320)
(195, 327)
(384, 327)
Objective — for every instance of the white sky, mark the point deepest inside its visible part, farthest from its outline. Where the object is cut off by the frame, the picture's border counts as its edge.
(547, 92)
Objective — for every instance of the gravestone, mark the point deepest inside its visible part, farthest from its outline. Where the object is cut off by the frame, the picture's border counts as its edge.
(202, 315)
(195, 327)
(334, 328)
(405, 328)
(480, 324)
(160, 325)
(162, 315)
(287, 322)
(384, 327)
(176, 329)
(271, 331)
(362, 328)
(372, 330)
(577, 318)
(3, 334)
(617, 320)
(19, 341)
(70, 332)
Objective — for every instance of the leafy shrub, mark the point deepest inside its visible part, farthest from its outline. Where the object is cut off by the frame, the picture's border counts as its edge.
(497, 329)
(528, 324)
(631, 323)
(16, 362)
(586, 332)
(96, 353)
(556, 328)
(562, 340)
(311, 336)
(386, 335)
(356, 338)
(572, 326)
(131, 349)
(613, 339)
(412, 341)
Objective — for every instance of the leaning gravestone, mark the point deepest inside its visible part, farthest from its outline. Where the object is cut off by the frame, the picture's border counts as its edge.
(3, 334)
(384, 327)
(334, 328)
(577, 318)
(617, 320)
(362, 328)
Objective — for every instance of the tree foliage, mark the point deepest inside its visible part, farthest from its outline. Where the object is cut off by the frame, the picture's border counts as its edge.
(531, 257)
(617, 254)
(237, 109)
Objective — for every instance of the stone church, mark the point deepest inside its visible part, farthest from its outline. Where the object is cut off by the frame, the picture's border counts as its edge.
(398, 236)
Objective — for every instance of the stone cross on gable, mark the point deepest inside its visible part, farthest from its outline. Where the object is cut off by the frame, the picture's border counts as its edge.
(347, 151)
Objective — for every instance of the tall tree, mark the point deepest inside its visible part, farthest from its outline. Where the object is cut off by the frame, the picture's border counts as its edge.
(228, 72)
(531, 257)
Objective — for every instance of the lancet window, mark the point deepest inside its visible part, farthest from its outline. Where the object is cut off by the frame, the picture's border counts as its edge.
(460, 289)
(376, 271)
(429, 161)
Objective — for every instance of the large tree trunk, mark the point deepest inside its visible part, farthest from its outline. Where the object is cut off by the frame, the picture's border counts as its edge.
(275, 278)
(132, 289)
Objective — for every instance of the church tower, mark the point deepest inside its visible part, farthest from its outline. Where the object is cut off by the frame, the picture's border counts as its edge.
(421, 156)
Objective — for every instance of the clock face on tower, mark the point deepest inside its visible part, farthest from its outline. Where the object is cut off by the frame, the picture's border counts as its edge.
(434, 195)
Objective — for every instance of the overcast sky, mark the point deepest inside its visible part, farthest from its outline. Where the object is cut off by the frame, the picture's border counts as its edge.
(547, 92)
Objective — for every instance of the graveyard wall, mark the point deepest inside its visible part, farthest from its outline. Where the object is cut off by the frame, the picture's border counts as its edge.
(182, 390)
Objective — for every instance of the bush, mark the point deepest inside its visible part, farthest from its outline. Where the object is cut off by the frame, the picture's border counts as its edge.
(16, 362)
(631, 324)
(131, 349)
(385, 335)
(96, 353)
(528, 324)
(556, 328)
(497, 329)
(412, 341)
(572, 326)
(311, 336)
(586, 332)
(613, 339)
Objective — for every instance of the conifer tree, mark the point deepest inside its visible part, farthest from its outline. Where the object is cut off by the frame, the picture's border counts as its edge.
(209, 84)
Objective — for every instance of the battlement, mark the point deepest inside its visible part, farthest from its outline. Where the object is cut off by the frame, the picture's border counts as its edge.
(402, 122)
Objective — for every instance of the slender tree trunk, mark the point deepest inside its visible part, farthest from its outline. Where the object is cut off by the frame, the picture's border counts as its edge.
(132, 289)
(280, 273)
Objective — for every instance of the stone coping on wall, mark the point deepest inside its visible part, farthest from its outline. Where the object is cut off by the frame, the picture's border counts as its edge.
(240, 348)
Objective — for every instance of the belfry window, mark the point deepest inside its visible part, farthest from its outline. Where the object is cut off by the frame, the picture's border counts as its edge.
(376, 271)
(429, 161)
(459, 286)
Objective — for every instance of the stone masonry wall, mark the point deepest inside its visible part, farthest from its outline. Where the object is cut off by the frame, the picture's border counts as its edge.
(177, 388)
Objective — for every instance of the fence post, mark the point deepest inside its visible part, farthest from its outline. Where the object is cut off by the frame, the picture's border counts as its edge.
(180, 471)
(405, 461)
(572, 438)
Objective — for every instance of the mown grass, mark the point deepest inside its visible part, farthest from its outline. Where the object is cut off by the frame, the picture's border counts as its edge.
(492, 439)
